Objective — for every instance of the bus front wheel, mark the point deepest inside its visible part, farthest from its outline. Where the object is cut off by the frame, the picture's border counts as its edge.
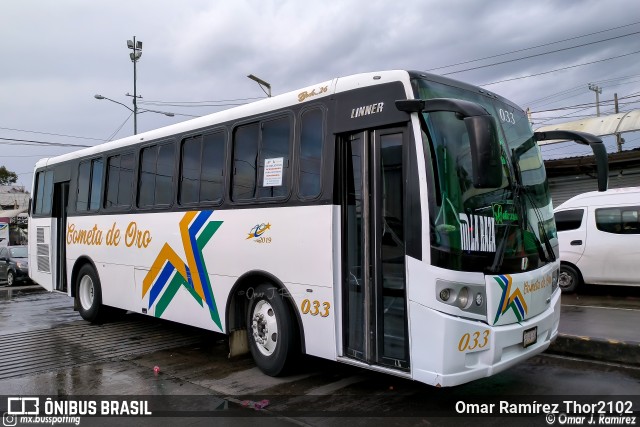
(88, 294)
(271, 331)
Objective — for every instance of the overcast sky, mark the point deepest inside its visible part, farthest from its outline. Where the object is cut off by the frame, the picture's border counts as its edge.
(56, 55)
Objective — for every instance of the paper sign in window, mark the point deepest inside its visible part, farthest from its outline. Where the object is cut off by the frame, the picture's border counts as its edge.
(273, 172)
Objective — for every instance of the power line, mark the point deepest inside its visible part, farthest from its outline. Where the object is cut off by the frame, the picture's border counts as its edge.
(202, 102)
(559, 69)
(12, 141)
(52, 134)
(533, 47)
(120, 127)
(538, 54)
(580, 89)
(167, 104)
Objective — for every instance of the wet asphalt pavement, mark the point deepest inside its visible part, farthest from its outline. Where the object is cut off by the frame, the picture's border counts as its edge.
(46, 349)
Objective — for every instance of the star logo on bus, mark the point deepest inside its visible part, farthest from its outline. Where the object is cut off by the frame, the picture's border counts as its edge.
(258, 230)
(169, 272)
(510, 300)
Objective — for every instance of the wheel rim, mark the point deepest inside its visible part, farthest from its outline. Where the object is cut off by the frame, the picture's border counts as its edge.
(565, 280)
(85, 292)
(264, 327)
(10, 279)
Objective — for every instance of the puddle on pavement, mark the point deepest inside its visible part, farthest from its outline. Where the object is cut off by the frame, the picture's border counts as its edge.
(8, 293)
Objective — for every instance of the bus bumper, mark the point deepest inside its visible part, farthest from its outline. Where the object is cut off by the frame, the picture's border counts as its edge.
(472, 349)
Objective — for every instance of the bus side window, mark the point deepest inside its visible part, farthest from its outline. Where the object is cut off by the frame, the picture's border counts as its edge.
(156, 175)
(119, 180)
(202, 168)
(44, 193)
(254, 146)
(311, 147)
(275, 144)
(89, 185)
(245, 158)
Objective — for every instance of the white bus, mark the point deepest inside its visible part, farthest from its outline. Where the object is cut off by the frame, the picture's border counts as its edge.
(397, 221)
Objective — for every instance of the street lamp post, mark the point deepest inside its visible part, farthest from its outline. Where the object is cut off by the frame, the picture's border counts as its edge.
(136, 47)
(166, 113)
(262, 84)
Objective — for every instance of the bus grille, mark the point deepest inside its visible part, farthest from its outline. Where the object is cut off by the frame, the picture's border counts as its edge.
(42, 251)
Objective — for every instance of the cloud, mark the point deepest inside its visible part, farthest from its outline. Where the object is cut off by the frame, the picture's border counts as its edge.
(57, 55)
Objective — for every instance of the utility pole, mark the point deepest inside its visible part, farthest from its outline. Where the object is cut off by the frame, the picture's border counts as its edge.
(136, 46)
(619, 139)
(598, 91)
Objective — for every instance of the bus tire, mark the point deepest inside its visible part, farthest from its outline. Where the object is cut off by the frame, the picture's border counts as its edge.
(89, 294)
(271, 331)
(569, 279)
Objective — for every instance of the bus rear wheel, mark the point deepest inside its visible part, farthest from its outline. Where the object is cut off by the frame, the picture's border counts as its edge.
(271, 331)
(89, 294)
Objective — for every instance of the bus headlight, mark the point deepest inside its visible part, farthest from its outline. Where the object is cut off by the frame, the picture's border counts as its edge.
(445, 294)
(464, 296)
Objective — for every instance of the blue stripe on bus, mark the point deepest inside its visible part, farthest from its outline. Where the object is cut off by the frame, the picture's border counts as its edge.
(160, 282)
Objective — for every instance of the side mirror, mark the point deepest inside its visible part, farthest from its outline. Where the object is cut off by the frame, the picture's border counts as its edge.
(485, 151)
(483, 135)
(596, 144)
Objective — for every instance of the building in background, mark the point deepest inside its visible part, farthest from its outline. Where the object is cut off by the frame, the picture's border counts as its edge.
(571, 169)
(14, 204)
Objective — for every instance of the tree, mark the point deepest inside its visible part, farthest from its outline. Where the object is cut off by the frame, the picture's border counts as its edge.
(7, 177)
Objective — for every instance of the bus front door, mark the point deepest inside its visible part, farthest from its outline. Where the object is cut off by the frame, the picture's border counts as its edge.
(373, 247)
(60, 202)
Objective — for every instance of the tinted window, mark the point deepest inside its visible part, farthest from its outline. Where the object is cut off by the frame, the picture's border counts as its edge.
(119, 181)
(622, 220)
(274, 158)
(44, 193)
(261, 160)
(84, 177)
(311, 141)
(89, 185)
(245, 159)
(201, 170)
(569, 220)
(156, 175)
(96, 184)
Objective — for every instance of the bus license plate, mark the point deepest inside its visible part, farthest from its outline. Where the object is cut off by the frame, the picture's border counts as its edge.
(530, 336)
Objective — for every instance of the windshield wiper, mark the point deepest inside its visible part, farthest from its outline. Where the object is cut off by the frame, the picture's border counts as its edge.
(550, 255)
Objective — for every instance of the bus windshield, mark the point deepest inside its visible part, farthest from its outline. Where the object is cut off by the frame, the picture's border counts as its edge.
(507, 229)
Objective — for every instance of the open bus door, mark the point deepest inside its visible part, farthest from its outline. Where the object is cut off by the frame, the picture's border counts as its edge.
(60, 203)
(374, 311)
(47, 228)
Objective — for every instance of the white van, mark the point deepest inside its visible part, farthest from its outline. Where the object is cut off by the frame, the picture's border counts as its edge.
(599, 235)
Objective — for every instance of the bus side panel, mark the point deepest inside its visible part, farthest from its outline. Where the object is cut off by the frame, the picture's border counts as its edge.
(181, 266)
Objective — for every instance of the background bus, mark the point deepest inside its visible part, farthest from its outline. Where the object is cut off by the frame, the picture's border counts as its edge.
(398, 221)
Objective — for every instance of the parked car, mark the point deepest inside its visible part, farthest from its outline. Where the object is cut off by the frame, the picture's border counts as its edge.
(599, 235)
(14, 264)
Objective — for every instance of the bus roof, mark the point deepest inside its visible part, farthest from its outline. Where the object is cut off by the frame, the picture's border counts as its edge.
(299, 96)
